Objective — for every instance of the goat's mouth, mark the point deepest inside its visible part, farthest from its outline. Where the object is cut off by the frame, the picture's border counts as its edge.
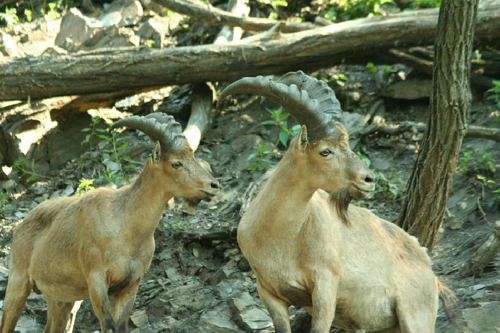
(208, 195)
(362, 191)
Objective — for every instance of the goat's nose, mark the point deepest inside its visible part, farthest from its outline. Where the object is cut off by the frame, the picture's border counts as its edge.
(215, 185)
(370, 177)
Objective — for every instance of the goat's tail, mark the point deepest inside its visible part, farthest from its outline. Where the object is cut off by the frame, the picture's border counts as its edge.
(451, 306)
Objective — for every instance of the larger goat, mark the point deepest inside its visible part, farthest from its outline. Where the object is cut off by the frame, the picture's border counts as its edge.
(102, 243)
(308, 247)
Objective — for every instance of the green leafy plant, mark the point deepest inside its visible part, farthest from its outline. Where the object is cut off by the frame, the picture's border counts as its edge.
(344, 10)
(371, 67)
(264, 153)
(263, 158)
(9, 17)
(477, 162)
(417, 4)
(494, 93)
(149, 43)
(115, 164)
(174, 227)
(280, 119)
(4, 199)
(53, 9)
(339, 79)
(28, 14)
(29, 172)
(91, 135)
(85, 186)
(275, 4)
(387, 186)
(496, 196)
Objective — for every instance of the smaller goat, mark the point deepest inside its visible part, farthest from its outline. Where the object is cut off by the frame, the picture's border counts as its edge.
(102, 243)
(308, 247)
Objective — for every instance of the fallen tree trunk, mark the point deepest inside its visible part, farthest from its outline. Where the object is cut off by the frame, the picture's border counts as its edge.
(131, 69)
(217, 16)
(473, 132)
(425, 66)
(484, 255)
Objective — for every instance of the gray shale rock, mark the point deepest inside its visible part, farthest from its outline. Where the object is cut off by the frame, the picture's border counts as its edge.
(122, 13)
(484, 319)
(218, 320)
(75, 30)
(8, 47)
(410, 89)
(248, 315)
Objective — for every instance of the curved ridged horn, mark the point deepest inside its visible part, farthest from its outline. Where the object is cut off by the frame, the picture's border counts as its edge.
(316, 89)
(293, 96)
(158, 126)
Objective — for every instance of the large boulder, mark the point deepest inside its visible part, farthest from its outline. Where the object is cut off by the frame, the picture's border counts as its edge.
(75, 30)
(122, 13)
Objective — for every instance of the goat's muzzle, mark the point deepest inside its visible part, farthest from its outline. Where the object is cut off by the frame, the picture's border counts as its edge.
(362, 188)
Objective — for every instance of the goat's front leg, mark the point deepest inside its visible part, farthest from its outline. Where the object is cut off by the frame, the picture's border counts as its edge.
(324, 299)
(123, 306)
(98, 291)
(278, 310)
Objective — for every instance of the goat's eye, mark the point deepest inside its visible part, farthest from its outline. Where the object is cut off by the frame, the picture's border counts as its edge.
(325, 152)
(177, 165)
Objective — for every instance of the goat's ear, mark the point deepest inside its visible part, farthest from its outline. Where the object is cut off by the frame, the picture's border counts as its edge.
(300, 144)
(156, 155)
(342, 132)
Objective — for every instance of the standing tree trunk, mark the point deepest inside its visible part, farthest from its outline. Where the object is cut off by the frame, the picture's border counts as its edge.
(429, 184)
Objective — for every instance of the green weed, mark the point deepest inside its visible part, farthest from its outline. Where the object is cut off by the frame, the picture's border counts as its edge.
(85, 186)
(10, 17)
(115, 164)
(275, 4)
(280, 120)
(345, 10)
(28, 172)
(263, 156)
(387, 185)
(494, 93)
(264, 153)
(4, 199)
(477, 162)
(174, 227)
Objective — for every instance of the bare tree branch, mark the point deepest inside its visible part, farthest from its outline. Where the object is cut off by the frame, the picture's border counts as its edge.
(220, 17)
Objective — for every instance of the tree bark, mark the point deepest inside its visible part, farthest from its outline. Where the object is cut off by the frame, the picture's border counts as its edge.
(125, 69)
(430, 182)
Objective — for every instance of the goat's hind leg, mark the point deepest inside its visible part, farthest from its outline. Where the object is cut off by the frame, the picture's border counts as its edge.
(416, 320)
(58, 316)
(278, 310)
(18, 290)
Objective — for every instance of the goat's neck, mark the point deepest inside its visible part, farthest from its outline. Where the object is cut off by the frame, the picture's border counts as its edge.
(285, 197)
(143, 203)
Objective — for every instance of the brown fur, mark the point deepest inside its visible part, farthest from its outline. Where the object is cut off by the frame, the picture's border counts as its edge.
(451, 306)
(97, 245)
(342, 263)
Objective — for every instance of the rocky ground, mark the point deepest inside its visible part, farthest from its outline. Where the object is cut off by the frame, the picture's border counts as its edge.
(198, 280)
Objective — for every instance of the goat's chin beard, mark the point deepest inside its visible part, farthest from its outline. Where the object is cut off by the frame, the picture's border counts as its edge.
(342, 198)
